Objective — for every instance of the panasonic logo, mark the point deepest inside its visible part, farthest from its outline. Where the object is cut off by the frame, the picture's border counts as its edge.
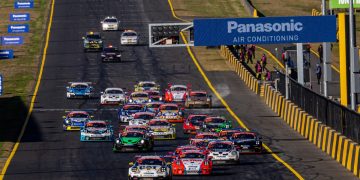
(264, 27)
(17, 27)
(19, 16)
(23, 3)
(11, 39)
(5, 52)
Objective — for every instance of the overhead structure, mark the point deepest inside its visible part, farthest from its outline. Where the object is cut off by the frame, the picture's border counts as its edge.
(169, 34)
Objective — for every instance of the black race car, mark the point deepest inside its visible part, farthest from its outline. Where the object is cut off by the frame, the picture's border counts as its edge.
(110, 53)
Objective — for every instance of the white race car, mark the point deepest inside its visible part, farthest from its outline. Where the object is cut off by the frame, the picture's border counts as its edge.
(162, 129)
(151, 167)
(176, 93)
(113, 96)
(129, 37)
(110, 23)
(223, 152)
(141, 118)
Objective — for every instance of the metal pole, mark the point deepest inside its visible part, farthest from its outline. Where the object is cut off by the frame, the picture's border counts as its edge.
(352, 63)
(276, 51)
(327, 77)
(300, 62)
(286, 80)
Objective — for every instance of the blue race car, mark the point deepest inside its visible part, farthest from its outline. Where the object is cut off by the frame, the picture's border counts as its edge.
(79, 90)
(97, 131)
(153, 106)
(126, 113)
(75, 120)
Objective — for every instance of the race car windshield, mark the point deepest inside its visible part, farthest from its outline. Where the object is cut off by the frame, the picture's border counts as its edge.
(153, 105)
(78, 115)
(196, 119)
(144, 116)
(217, 120)
(159, 123)
(193, 155)
(139, 95)
(155, 162)
(96, 125)
(208, 137)
(169, 108)
(93, 36)
(198, 94)
(110, 50)
(244, 136)
(133, 134)
(114, 92)
(201, 144)
(132, 108)
(218, 146)
(79, 86)
(137, 129)
(110, 20)
(148, 85)
(154, 93)
(129, 34)
(178, 89)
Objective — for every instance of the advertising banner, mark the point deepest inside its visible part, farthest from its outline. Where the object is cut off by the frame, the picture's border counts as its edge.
(24, 4)
(18, 28)
(20, 17)
(11, 40)
(340, 4)
(6, 54)
(267, 30)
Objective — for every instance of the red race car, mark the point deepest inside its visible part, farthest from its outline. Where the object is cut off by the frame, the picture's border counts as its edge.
(207, 135)
(226, 134)
(171, 112)
(192, 162)
(176, 93)
(193, 123)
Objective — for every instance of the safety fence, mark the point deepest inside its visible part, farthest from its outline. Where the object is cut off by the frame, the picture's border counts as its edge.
(241, 69)
(340, 148)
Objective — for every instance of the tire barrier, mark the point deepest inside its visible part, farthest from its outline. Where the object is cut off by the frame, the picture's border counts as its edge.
(240, 70)
(340, 148)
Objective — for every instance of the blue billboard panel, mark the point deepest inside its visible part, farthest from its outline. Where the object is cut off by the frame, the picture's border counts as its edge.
(267, 30)
(6, 54)
(12, 40)
(18, 28)
(24, 4)
(20, 17)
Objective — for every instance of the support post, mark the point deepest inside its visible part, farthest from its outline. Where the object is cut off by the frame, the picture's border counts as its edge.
(300, 62)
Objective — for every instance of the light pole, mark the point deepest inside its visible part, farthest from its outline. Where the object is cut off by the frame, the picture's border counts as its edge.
(326, 54)
(352, 56)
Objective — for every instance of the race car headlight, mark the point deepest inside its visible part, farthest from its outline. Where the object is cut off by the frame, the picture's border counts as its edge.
(103, 55)
(118, 55)
(160, 99)
(117, 141)
(142, 141)
(227, 126)
(163, 169)
(257, 142)
(67, 121)
(100, 42)
(206, 163)
(134, 169)
(130, 100)
(150, 100)
(105, 25)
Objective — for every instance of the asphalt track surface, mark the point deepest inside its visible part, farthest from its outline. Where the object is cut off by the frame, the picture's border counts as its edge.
(46, 152)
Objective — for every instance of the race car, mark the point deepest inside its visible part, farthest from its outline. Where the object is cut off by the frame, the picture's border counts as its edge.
(154, 96)
(216, 124)
(139, 98)
(198, 99)
(223, 152)
(141, 118)
(152, 167)
(181, 149)
(152, 107)
(113, 96)
(110, 53)
(193, 123)
(79, 90)
(97, 130)
(125, 114)
(201, 143)
(192, 162)
(92, 42)
(176, 93)
(162, 129)
(147, 86)
(129, 37)
(247, 142)
(207, 135)
(142, 128)
(75, 120)
(226, 134)
(133, 141)
(110, 23)
(170, 112)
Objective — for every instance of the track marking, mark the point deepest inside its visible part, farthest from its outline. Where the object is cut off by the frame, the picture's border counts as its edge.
(16, 146)
(208, 82)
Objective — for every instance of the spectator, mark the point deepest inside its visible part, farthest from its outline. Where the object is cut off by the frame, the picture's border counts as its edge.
(268, 75)
(283, 56)
(242, 56)
(249, 56)
(253, 50)
(318, 72)
(320, 51)
(258, 69)
(263, 62)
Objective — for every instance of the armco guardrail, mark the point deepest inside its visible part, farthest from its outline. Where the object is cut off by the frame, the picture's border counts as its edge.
(340, 148)
(240, 69)
(249, 8)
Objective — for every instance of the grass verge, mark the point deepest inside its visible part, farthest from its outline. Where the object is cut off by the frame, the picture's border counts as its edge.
(20, 73)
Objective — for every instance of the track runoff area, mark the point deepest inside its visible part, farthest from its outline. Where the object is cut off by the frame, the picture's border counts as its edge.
(51, 154)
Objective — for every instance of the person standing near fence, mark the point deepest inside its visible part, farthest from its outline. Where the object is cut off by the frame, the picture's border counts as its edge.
(320, 51)
(249, 56)
(258, 69)
(253, 50)
(318, 73)
(263, 62)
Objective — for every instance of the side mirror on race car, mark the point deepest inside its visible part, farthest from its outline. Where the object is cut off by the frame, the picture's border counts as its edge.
(131, 164)
(101, 22)
(64, 117)
(83, 38)
(101, 92)
(92, 116)
(67, 87)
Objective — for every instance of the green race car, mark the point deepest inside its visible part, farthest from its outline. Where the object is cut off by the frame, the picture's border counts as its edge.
(216, 124)
(133, 141)
(93, 42)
